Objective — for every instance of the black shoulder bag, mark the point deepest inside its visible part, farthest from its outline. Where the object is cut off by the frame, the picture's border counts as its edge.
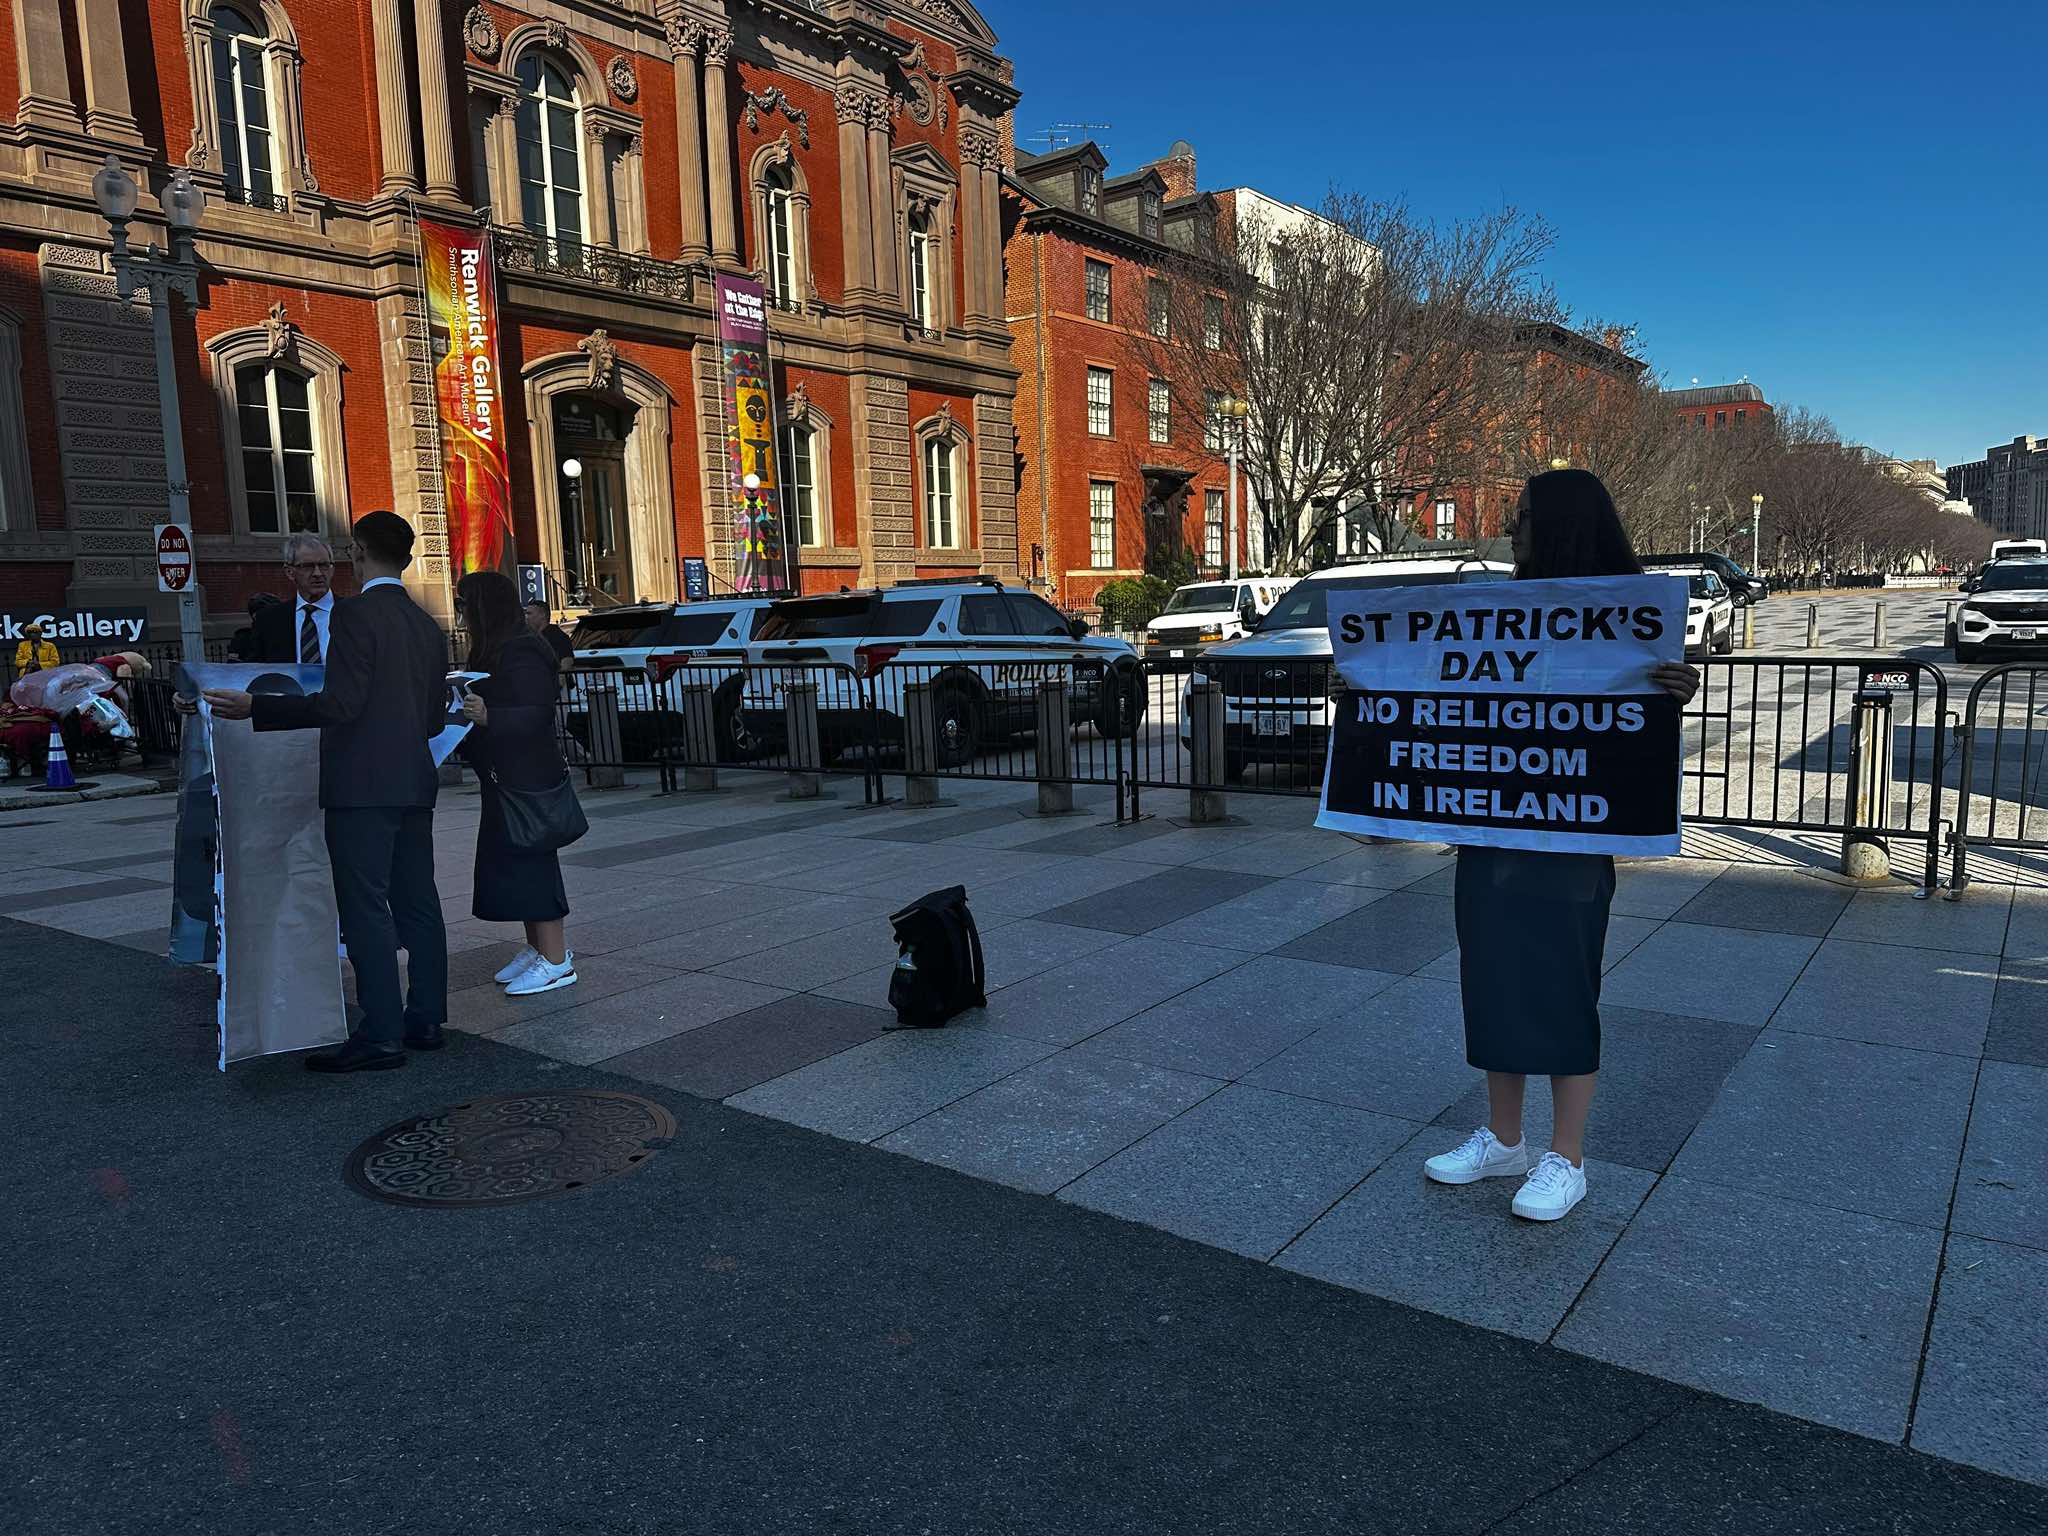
(541, 820)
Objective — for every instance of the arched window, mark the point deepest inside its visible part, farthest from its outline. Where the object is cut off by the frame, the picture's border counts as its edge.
(941, 472)
(280, 464)
(801, 479)
(241, 98)
(779, 238)
(550, 151)
(923, 271)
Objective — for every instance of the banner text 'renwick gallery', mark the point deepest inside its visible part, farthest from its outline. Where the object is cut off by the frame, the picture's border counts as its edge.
(462, 317)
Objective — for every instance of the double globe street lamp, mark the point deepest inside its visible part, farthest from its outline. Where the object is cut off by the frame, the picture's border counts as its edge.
(161, 273)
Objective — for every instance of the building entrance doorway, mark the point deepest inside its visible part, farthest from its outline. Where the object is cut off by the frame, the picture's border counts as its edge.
(590, 492)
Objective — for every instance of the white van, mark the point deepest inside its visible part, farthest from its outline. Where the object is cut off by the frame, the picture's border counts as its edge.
(1204, 612)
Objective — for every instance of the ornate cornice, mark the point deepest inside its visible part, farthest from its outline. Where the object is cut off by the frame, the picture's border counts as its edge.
(980, 147)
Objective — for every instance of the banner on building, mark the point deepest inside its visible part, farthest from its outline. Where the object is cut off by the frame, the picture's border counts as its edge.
(462, 321)
(761, 553)
(1508, 715)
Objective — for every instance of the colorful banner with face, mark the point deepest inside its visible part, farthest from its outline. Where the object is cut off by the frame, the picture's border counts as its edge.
(761, 554)
(462, 320)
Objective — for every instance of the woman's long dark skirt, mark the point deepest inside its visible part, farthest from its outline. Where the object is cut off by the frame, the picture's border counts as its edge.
(1531, 929)
(512, 885)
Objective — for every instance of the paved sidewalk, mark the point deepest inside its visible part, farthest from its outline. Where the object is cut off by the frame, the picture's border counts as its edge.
(1819, 1181)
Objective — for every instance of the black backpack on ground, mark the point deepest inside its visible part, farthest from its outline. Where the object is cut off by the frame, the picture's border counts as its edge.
(938, 966)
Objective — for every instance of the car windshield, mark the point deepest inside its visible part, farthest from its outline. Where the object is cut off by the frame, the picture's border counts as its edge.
(853, 617)
(1701, 585)
(1307, 603)
(1211, 599)
(2014, 576)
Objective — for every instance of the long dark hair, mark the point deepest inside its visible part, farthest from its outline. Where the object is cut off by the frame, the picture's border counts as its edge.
(490, 612)
(1570, 528)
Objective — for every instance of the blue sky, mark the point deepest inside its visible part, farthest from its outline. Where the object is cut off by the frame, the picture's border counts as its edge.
(1846, 202)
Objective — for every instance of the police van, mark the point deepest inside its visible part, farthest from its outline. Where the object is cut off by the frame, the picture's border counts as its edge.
(982, 647)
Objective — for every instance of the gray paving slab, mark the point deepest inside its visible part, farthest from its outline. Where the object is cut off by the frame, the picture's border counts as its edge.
(2002, 1191)
(32, 905)
(1984, 1390)
(1892, 915)
(1271, 915)
(110, 915)
(1155, 900)
(1658, 1074)
(1030, 895)
(1624, 933)
(657, 918)
(729, 1055)
(1016, 949)
(142, 864)
(1893, 994)
(1191, 843)
(1869, 1128)
(2018, 1029)
(776, 924)
(1100, 838)
(1070, 1002)
(1734, 974)
(1279, 853)
(1459, 1250)
(1401, 932)
(1815, 1312)
(2026, 930)
(882, 1085)
(1384, 866)
(1047, 1124)
(817, 959)
(934, 827)
(474, 965)
(1768, 900)
(622, 1021)
(1403, 1055)
(1246, 1169)
(1659, 887)
(1226, 1027)
(485, 1009)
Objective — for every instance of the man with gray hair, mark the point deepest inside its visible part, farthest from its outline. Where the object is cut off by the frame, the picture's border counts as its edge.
(297, 630)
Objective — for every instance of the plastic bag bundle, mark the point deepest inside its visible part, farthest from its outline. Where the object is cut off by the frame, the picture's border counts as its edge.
(60, 689)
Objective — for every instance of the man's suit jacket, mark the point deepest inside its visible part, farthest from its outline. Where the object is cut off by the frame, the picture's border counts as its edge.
(274, 631)
(385, 695)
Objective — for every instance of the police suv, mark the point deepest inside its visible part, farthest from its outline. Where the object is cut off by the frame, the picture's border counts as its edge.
(624, 648)
(1709, 610)
(2005, 608)
(1277, 681)
(982, 647)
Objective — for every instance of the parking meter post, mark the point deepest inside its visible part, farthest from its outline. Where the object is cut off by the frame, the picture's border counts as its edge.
(800, 722)
(1812, 625)
(1206, 799)
(1865, 853)
(1877, 627)
(607, 742)
(920, 746)
(1055, 751)
(700, 738)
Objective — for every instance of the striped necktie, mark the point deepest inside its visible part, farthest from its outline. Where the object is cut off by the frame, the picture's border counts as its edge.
(309, 636)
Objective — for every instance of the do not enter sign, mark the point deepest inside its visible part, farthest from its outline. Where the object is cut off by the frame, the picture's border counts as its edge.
(174, 564)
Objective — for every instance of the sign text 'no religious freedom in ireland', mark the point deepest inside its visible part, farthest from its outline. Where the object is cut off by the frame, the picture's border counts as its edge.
(1508, 714)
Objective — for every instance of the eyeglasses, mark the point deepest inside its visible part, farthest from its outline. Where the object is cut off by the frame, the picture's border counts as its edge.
(309, 565)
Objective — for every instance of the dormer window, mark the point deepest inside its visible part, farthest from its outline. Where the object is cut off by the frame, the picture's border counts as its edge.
(1091, 191)
(1149, 215)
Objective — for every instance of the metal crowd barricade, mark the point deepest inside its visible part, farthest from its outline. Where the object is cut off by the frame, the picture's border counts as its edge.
(808, 720)
(1853, 745)
(2002, 783)
(1274, 715)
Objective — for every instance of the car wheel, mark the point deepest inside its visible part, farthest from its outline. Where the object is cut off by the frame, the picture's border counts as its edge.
(1122, 709)
(1726, 643)
(735, 743)
(958, 725)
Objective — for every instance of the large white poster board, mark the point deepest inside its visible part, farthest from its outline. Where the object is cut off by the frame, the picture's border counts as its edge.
(1515, 714)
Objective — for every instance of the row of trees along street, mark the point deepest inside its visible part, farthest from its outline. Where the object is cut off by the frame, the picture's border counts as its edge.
(1386, 361)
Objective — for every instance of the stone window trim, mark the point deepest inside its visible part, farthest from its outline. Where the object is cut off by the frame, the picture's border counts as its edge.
(944, 427)
(292, 171)
(781, 155)
(17, 489)
(800, 414)
(923, 182)
(280, 344)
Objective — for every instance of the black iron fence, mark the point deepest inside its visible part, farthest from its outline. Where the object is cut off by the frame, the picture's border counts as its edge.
(2002, 781)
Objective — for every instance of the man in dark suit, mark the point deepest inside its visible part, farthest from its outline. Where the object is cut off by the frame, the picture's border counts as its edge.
(385, 696)
(298, 630)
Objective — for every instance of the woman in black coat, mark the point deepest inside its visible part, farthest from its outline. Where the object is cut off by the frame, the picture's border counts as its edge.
(512, 745)
(1532, 926)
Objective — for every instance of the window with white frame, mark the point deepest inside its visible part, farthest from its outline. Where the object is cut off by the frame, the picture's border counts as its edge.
(1149, 215)
(1446, 519)
(1212, 322)
(1102, 524)
(800, 478)
(241, 98)
(923, 271)
(1095, 277)
(1091, 191)
(548, 124)
(941, 515)
(280, 465)
(1158, 411)
(1212, 529)
(1212, 420)
(1158, 307)
(778, 200)
(1101, 392)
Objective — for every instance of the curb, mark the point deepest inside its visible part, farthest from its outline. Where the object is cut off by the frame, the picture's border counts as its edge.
(20, 800)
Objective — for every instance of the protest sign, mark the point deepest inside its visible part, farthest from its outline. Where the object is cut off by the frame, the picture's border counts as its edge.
(1508, 714)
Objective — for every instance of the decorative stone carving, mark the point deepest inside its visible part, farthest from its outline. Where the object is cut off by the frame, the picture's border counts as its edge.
(554, 34)
(942, 11)
(604, 359)
(923, 102)
(796, 410)
(861, 104)
(620, 77)
(982, 148)
(480, 34)
(760, 103)
(279, 331)
(684, 35)
(717, 46)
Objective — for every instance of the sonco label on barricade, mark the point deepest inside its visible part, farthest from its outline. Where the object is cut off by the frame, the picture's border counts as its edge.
(1508, 714)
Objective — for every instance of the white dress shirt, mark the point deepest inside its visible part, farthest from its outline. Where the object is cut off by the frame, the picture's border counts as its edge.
(322, 611)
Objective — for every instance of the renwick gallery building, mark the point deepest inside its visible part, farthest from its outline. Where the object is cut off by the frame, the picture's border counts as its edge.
(847, 154)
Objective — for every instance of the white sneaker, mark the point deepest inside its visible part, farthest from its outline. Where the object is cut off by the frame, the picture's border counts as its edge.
(517, 964)
(1482, 1155)
(544, 976)
(1553, 1187)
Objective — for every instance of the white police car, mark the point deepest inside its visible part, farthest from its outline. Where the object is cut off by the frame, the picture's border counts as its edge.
(982, 647)
(620, 649)
(1709, 610)
(1276, 681)
(2005, 608)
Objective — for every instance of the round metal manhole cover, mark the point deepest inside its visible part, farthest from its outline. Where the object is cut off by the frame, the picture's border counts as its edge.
(509, 1148)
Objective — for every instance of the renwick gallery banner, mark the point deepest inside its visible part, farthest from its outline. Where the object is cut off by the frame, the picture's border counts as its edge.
(462, 321)
(1508, 715)
(760, 544)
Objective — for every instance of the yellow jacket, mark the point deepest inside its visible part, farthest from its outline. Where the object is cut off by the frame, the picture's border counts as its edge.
(34, 656)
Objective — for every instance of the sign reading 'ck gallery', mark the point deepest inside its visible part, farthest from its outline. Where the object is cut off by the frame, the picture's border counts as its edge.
(1515, 714)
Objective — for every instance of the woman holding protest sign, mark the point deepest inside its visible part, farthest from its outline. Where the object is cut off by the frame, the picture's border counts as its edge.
(1532, 926)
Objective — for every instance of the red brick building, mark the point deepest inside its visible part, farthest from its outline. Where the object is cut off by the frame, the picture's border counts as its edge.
(1718, 407)
(1112, 466)
(623, 152)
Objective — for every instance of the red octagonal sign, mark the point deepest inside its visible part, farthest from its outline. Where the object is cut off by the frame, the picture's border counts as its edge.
(173, 558)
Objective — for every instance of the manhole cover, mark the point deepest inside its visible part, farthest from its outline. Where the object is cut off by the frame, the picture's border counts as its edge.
(509, 1148)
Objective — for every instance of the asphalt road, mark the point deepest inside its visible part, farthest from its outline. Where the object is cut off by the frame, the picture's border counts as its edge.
(762, 1330)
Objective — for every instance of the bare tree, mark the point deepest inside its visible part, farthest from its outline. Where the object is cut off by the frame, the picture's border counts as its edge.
(1381, 358)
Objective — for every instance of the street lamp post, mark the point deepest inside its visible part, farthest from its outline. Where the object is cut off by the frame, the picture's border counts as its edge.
(1756, 523)
(1236, 410)
(572, 471)
(162, 274)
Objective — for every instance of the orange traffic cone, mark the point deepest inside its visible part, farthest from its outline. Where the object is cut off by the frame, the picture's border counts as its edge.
(59, 775)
